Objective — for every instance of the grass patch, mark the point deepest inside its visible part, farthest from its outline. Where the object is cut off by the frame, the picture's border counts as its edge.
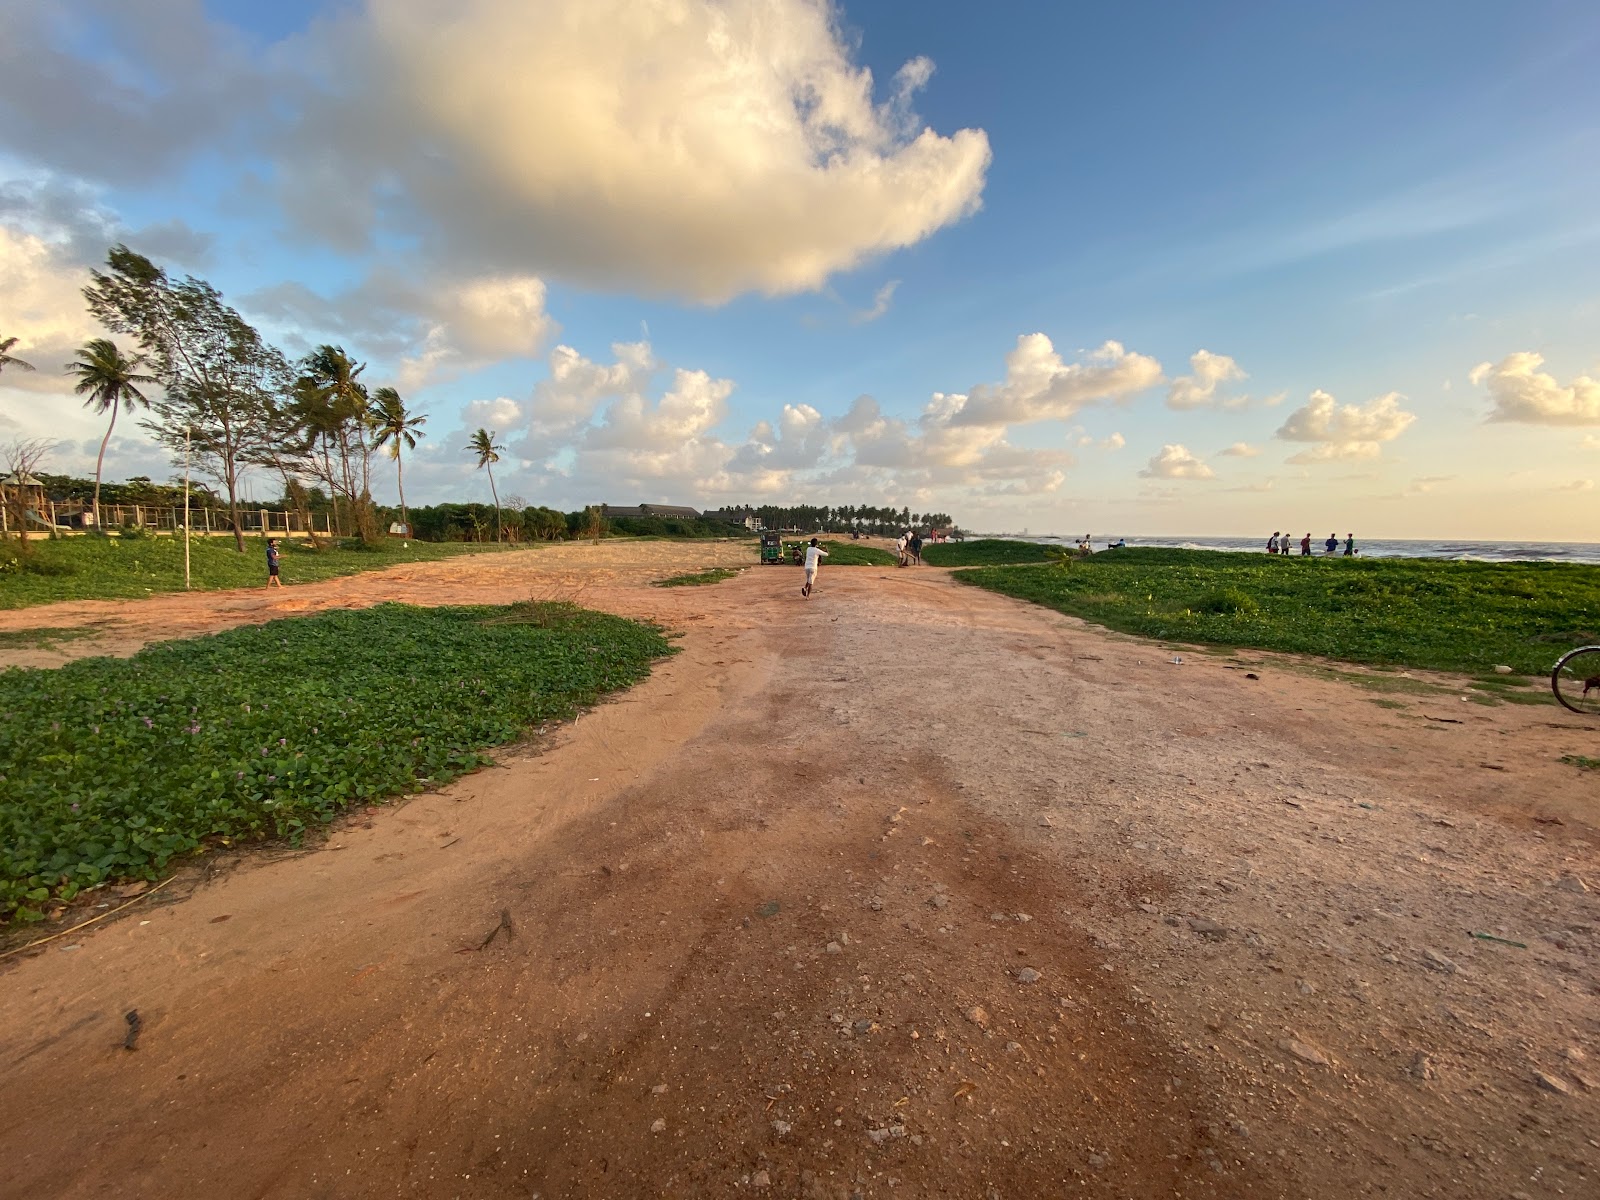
(1382, 703)
(855, 554)
(1581, 761)
(986, 552)
(1433, 614)
(43, 637)
(110, 768)
(698, 579)
(111, 568)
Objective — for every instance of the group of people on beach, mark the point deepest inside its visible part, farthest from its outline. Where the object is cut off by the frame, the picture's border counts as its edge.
(1283, 543)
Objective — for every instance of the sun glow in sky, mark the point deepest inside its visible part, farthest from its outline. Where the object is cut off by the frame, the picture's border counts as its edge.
(1135, 268)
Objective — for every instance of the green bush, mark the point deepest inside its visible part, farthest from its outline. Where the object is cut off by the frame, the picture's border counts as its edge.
(1432, 613)
(985, 552)
(110, 768)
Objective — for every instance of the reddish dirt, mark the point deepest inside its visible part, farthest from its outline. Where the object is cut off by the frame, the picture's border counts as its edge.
(905, 890)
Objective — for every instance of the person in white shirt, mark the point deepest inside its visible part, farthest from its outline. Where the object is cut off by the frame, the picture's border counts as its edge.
(814, 556)
(900, 547)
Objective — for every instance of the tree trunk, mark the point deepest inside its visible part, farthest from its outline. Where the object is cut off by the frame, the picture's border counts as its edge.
(496, 495)
(400, 482)
(97, 462)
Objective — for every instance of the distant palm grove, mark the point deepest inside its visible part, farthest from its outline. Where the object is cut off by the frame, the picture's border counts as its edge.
(210, 389)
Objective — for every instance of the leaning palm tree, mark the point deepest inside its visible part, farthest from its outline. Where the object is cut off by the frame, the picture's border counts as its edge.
(111, 381)
(488, 452)
(396, 427)
(7, 359)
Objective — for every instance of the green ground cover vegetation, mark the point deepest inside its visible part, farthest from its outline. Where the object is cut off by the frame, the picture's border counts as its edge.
(1464, 617)
(110, 768)
(123, 568)
(698, 578)
(986, 552)
(855, 554)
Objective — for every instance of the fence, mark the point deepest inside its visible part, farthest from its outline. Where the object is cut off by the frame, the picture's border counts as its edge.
(46, 517)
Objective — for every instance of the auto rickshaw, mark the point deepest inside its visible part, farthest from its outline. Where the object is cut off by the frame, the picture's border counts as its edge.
(771, 547)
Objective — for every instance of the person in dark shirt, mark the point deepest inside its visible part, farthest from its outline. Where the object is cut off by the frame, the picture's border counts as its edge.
(273, 579)
(1332, 543)
(1349, 545)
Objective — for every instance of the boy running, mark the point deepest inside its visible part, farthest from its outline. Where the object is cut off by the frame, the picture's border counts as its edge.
(814, 556)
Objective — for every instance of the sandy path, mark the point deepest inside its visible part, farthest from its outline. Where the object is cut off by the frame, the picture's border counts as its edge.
(776, 915)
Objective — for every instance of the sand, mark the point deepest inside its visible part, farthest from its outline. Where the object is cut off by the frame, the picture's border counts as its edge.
(903, 890)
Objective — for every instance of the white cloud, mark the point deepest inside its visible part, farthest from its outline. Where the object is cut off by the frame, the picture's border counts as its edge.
(881, 299)
(498, 415)
(425, 328)
(1115, 442)
(1241, 450)
(1344, 431)
(1039, 386)
(1577, 485)
(1199, 390)
(701, 148)
(44, 309)
(1176, 462)
(1523, 393)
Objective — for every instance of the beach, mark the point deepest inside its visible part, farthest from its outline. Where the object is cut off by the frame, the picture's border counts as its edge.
(906, 889)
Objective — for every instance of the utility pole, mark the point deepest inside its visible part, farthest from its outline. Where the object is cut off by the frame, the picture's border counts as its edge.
(186, 508)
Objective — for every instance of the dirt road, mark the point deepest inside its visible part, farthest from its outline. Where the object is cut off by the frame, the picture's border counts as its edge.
(906, 890)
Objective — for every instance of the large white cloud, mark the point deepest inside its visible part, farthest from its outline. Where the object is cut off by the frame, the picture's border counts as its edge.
(1176, 462)
(694, 147)
(1199, 389)
(1339, 431)
(1040, 386)
(1523, 393)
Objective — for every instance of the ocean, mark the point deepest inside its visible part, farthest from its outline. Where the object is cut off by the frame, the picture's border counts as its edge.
(1578, 552)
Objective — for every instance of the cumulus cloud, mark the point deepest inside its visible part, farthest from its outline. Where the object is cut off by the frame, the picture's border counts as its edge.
(1039, 386)
(1344, 431)
(1115, 442)
(701, 148)
(1208, 373)
(1176, 462)
(428, 327)
(1241, 450)
(1521, 392)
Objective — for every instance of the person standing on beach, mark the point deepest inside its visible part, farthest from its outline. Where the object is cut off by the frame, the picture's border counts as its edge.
(1272, 543)
(1305, 546)
(1349, 545)
(814, 556)
(1332, 544)
(273, 579)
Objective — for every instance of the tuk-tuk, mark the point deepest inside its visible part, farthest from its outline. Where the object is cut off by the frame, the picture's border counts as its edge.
(771, 547)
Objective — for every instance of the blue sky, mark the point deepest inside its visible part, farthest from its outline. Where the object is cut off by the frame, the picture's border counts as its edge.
(1376, 220)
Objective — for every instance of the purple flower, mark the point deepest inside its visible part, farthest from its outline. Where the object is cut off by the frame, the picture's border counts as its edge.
(194, 727)
(283, 741)
(148, 723)
(74, 808)
(272, 779)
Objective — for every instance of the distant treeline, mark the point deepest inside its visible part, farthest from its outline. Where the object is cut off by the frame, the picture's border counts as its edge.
(847, 518)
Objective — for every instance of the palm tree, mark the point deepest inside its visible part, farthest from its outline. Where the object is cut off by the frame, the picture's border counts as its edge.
(7, 359)
(488, 451)
(399, 428)
(111, 381)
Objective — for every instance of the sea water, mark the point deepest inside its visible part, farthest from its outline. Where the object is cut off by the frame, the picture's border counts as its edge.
(1578, 552)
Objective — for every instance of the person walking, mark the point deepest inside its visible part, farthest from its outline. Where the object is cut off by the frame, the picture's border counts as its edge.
(1349, 545)
(273, 579)
(1331, 546)
(1305, 546)
(814, 556)
(900, 546)
(1272, 543)
(916, 547)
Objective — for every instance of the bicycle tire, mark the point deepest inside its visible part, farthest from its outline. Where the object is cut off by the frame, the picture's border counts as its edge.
(1575, 679)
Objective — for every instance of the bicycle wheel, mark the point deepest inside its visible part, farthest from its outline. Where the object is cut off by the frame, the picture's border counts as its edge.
(1576, 680)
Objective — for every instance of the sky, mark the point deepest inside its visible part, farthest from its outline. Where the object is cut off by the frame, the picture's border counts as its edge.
(1143, 268)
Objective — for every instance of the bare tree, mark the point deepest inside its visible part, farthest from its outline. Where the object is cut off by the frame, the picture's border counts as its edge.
(19, 488)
